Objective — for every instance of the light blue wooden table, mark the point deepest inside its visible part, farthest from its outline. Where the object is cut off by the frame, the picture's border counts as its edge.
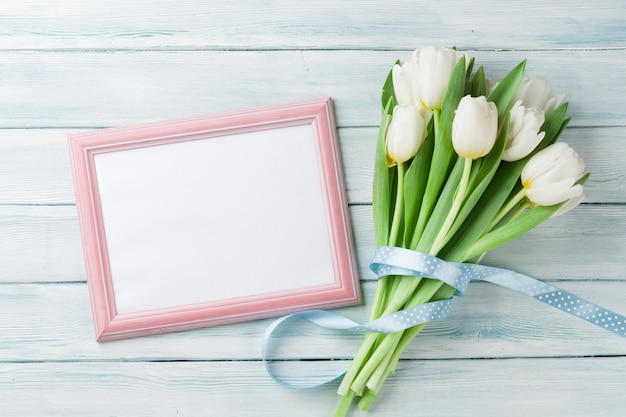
(67, 66)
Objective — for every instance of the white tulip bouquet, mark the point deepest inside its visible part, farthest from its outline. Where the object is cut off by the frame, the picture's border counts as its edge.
(463, 165)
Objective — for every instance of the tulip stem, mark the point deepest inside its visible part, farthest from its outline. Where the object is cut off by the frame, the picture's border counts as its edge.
(427, 205)
(362, 356)
(359, 360)
(344, 404)
(382, 287)
(459, 196)
(506, 209)
(399, 204)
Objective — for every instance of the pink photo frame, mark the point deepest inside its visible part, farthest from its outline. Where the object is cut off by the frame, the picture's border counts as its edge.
(212, 220)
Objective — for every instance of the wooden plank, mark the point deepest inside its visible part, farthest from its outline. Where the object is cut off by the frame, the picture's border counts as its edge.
(35, 167)
(34, 164)
(487, 388)
(42, 243)
(546, 387)
(64, 89)
(40, 323)
(195, 24)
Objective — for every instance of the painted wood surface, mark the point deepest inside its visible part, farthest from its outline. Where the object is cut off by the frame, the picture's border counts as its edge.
(579, 387)
(489, 322)
(42, 244)
(110, 88)
(67, 66)
(298, 24)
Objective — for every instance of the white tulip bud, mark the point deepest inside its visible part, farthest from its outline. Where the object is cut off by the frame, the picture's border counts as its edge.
(474, 127)
(435, 68)
(550, 176)
(405, 135)
(404, 79)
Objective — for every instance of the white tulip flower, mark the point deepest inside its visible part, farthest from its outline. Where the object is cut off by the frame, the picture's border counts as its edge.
(550, 176)
(474, 127)
(404, 79)
(535, 92)
(523, 134)
(405, 135)
(435, 65)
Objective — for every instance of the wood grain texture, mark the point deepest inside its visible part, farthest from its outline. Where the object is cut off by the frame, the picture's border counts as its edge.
(35, 167)
(489, 322)
(300, 24)
(68, 65)
(542, 388)
(71, 89)
(42, 244)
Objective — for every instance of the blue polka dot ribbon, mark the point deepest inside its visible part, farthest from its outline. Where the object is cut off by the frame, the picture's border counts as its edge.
(393, 261)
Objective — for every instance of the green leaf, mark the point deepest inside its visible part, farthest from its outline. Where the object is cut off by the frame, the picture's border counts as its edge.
(469, 67)
(561, 128)
(381, 190)
(442, 208)
(388, 90)
(468, 73)
(443, 153)
(479, 84)
(415, 184)
(512, 230)
(553, 125)
(506, 89)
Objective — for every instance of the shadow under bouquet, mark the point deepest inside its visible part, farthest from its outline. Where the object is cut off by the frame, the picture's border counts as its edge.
(463, 165)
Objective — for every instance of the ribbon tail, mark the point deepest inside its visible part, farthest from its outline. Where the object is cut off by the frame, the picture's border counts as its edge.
(390, 260)
(561, 300)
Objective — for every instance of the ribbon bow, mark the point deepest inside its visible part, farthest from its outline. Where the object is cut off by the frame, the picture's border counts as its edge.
(394, 261)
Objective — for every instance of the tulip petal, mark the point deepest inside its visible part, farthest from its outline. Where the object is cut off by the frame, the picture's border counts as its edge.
(522, 145)
(555, 193)
(534, 91)
(571, 203)
(402, 84)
